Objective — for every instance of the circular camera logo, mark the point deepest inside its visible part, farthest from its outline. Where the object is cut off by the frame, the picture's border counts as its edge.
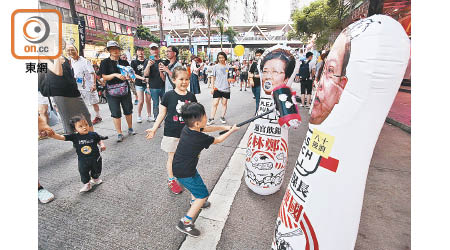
(36, 29)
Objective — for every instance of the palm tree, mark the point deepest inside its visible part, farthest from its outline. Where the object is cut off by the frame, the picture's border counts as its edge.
(220, 24)
(158, 4)
(188, 7)
(214, 9)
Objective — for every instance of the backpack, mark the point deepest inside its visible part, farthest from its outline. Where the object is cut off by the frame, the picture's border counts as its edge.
(304, 70)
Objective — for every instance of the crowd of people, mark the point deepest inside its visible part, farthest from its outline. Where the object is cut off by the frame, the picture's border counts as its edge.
(169, 91)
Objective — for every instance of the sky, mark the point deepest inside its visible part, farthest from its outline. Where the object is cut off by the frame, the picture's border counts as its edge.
(278, 10)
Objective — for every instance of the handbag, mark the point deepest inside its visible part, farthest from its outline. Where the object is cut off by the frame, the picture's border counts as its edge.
(53, 117)
(118, 89)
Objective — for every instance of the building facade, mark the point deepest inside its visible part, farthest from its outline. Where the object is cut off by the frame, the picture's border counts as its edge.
(118, 16)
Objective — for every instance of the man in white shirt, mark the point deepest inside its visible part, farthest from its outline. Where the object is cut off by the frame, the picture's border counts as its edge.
(85, 77)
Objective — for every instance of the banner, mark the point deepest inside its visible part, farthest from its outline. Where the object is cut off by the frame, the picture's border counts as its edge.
(127, 44)
(70, 34)
(322, 205)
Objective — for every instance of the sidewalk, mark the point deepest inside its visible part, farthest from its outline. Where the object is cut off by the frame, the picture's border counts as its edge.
(400, 113)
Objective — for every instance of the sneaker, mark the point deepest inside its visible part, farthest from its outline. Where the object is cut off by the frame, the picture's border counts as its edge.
(307, 106)
(139, 119)
(188, 229)
(245, 89)
(222, 119)
(240, 90)
(119, 137)
(96, 120)
(86, 187)
(97, 181)
(150, 119)
(205, 205)
(45, 196)
(131, 131)
(174, 187)
(210, 121)
(136, 102)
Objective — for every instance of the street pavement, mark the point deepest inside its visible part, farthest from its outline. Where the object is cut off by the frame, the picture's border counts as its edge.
(134, 209)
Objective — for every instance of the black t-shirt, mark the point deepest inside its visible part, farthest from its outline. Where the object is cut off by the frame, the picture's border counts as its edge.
(254, 71)
(138, 67)
(188, 152)
(64, 85)
(155, 80)
(85, 145)
(174, 123)
(109, 66)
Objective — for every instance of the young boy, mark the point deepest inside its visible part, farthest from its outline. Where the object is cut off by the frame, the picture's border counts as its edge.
(192, 142)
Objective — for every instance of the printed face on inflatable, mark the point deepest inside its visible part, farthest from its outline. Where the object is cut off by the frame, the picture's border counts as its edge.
(277, 66)
(332, 81)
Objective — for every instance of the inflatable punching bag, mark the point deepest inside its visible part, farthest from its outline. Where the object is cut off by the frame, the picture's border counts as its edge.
(267, 148)
(322, 205)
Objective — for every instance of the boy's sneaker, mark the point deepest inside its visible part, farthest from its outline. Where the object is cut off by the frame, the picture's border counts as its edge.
(86, 187)
(210, 122)
(131, 131)
(136, 102)
(205, 205)
(119, 137)
(139, 119)
(45, 196)
(96, 120)
(222, 119)
(174, 187)
(150, 119)
(97, 181)
(188, 229)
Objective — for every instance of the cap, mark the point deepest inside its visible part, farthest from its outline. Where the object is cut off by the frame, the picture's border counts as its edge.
(153, 45)
(110, 44)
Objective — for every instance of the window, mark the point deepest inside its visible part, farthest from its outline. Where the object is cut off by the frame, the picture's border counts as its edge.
(114, 4)
(95, 1)
(109, 4)
(103, 10)
(98, 23)
(95, 7)
(110, 12)
(112, 27)
(120, 7)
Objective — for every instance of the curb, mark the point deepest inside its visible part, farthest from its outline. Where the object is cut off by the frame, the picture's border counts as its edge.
(398, 124)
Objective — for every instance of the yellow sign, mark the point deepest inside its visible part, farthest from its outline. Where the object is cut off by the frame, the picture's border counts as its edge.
(127, 44)
(70, 35)
(239, 50)
(321, 143)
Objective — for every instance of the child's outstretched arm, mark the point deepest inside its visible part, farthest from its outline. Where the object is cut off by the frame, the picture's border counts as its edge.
(102, 146)
(225, 136)
(58, 137)
(162, 114)
(216, 128)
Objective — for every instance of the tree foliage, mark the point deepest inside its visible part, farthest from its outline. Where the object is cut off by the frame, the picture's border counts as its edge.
(144, 33)
(319, 19)
(214, 10)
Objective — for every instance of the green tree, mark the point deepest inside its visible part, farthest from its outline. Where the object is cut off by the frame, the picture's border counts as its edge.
(319, 19)
(109, 36)
(189, 8)
(144, 33)
(214, 9)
